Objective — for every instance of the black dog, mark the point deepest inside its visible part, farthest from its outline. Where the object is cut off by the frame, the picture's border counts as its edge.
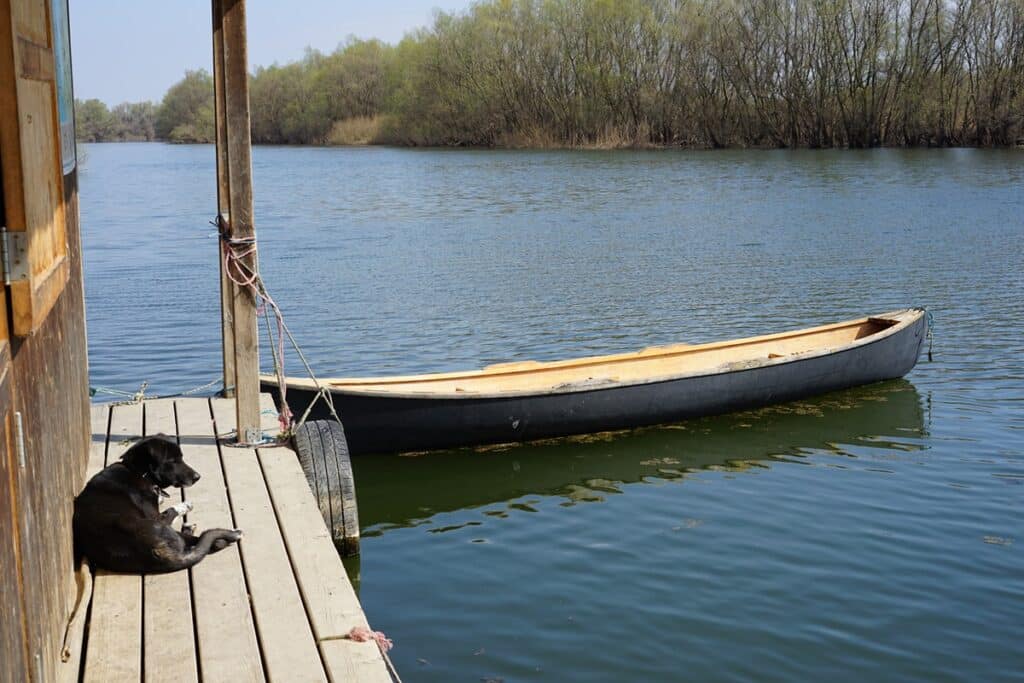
(118, 524)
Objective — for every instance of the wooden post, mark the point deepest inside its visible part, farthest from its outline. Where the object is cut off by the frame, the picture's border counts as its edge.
(233, 66)
(227, 293)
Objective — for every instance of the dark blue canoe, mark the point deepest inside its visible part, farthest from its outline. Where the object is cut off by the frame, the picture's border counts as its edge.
(532, 400)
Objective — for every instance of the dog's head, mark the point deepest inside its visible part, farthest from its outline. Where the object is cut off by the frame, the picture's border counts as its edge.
(159, 459)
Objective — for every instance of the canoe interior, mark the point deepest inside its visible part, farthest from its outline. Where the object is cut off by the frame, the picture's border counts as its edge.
(651, 364)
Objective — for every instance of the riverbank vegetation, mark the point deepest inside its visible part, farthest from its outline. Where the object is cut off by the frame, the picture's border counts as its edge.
(625, 73)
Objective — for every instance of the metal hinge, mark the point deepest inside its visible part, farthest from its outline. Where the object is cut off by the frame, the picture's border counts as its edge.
(13, 255)
(19, 435)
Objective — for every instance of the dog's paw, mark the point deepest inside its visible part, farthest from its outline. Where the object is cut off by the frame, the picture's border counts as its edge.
(237, 533)
(183, 507)
(188, 529)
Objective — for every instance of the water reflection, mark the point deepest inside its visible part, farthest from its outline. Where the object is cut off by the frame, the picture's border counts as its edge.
(397, 491)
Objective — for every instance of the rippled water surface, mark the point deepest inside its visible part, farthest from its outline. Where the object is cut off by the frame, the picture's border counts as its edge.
(872, 534)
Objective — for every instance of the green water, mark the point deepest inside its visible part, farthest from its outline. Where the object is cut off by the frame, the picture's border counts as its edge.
(872, 534)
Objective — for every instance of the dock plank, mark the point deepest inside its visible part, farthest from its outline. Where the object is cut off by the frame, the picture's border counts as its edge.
(115, 626)
(224, 414)
(276, 606)
(168, 634)
(227, 646)
(99, 419)
(289, 649)
(348, 660)
(330, 599)
(115, 629)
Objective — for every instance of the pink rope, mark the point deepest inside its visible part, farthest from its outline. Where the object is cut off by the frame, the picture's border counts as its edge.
(248, 278)
(231, 256)
(361, 634)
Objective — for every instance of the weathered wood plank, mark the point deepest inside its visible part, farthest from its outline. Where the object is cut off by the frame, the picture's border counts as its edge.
(347, 660)
(115, 629)
(46, 380)
(227, 645)
(115, 626)
(34, 195)
(170, 645)
(332, 603)
(13, 631)
(99, 421)
(35, 61)
(125, 429)
(81, 582)
(56, 437)
(302, 603)
(289, 649)
(227, 287)
(330, 600)
(224, 415)
(282, 625)
(239, 165)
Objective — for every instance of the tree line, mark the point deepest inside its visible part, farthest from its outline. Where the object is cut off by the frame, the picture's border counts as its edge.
(694, 73)
(184, 115)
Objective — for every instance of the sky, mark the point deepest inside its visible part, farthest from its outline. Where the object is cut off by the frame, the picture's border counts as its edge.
(132, 50)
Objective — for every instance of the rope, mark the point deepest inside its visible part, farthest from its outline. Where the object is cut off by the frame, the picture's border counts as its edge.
(195, 390)
(235, 250)
(140, 395)
(363, 634)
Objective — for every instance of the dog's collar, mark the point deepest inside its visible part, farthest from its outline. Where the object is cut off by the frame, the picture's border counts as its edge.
(160, 493)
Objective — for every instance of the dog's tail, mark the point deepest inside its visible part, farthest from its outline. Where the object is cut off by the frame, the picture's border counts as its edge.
(209, 542)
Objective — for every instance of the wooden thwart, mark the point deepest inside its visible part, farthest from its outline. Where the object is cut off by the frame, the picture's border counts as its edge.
(275, 606)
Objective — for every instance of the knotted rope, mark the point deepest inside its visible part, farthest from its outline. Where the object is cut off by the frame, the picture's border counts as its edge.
(362, 634)
(235, 252)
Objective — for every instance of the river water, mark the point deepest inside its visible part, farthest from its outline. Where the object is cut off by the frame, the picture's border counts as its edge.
(871, 534)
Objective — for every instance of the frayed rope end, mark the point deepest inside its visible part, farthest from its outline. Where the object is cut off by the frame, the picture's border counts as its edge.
(361, 634)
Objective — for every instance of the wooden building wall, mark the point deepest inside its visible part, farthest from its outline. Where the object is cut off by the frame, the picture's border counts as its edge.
(43, 353)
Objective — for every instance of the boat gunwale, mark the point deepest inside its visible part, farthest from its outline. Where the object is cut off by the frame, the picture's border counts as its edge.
(902, 318)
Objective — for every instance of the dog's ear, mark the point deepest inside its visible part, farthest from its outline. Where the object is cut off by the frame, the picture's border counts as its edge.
(148, 453)
(163, 448)
(139, 458)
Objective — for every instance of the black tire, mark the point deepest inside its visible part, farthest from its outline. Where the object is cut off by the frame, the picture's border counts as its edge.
(323, 454)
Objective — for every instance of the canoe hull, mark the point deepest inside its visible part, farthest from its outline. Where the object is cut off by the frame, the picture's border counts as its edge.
(388, 424)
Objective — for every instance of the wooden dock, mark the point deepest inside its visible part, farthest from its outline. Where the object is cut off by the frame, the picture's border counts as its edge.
(276, 606)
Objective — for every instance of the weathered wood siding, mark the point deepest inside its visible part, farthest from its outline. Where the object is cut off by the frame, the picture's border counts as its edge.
(51, 390)
(43, 364)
